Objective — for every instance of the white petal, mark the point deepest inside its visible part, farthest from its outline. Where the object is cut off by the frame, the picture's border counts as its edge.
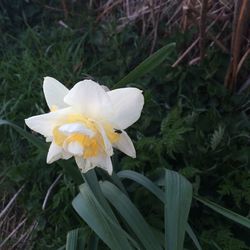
(102, 161)
(70, 128)
(74, 148)
(55, 153)
(66, 155)
(127, 104)
(108, 149)
(105, 88)
(83, 164)
(125, 145)
(44, 124)
(49, 139)
(54, 93)
(89, 98)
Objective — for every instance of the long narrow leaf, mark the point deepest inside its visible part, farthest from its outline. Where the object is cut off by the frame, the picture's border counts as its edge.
(178, 195)
(71, 241)
(147, 65)
(144, 181)
(193, 237)
(225, 212)
(150, 186)
(93, 241)
(159, 235)
(131, 215)
(77, 239)
(93, 183)
(95, 216)
(117, 181)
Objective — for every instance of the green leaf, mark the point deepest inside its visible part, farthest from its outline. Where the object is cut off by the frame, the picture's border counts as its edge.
(147, 65)
(116, 180)
(192, 235)
(91, 179)
(150, 186)
(225, 212)
(72, 238)
(92, 182)
(144, 181)
(178, 195)
(77, 238)
(131, 215)
(159, 235)
(88, 207)
(93, 241)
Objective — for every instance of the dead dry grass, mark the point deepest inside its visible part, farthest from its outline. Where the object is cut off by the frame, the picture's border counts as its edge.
(220, 23)
(15, 230)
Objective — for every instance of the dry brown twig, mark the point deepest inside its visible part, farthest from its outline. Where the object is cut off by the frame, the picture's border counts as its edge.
(13, 232)
(203, 18)
(186, 52)
(241, 17)
(6, 209)
(183, 55)
(150, 13)
(50, 190)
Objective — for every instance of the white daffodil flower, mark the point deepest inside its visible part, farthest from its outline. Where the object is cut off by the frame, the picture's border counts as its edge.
(87, 122)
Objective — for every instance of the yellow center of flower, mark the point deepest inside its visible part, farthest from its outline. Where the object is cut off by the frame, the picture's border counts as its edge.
(92, 145)
(53, 108)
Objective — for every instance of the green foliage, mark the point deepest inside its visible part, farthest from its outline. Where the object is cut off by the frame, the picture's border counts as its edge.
(190, 122)
(173, 128)
(131, 215)
(100, 218)
(222, 239)
(77, 239)
(183, 189)
(101, 221)
(217, 137)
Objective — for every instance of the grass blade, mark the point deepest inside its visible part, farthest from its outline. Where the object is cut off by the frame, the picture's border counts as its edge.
(225, 212)
(178, 195)
(147, 65)
(131, 215)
